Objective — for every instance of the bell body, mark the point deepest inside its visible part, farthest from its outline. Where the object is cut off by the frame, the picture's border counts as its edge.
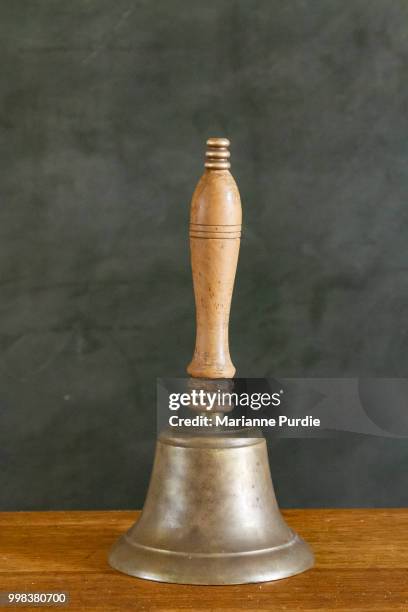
(211, 516)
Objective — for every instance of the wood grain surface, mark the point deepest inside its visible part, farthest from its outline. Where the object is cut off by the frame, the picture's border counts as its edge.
(361, 564)
(215, 235)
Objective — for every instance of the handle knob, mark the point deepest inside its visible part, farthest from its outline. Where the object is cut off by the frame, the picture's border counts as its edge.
(215, 233)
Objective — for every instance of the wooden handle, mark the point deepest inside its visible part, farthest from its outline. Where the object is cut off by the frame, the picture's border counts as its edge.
(215, 233)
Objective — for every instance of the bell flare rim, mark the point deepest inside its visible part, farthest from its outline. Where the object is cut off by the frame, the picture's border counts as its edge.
(216, 569)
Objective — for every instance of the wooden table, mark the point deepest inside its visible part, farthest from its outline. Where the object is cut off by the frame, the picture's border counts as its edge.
(361, 564)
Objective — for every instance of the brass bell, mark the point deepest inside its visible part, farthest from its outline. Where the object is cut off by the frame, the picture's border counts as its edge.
(211, 515)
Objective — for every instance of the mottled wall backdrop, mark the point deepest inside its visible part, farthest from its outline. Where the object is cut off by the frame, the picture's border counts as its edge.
(105, 108)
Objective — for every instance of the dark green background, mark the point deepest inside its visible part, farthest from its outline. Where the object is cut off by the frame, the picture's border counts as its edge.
(105, 109)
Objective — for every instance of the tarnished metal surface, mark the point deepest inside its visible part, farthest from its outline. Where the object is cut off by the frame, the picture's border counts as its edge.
(211, 516)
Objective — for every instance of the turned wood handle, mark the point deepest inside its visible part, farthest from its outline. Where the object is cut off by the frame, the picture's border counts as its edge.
(215, 233)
